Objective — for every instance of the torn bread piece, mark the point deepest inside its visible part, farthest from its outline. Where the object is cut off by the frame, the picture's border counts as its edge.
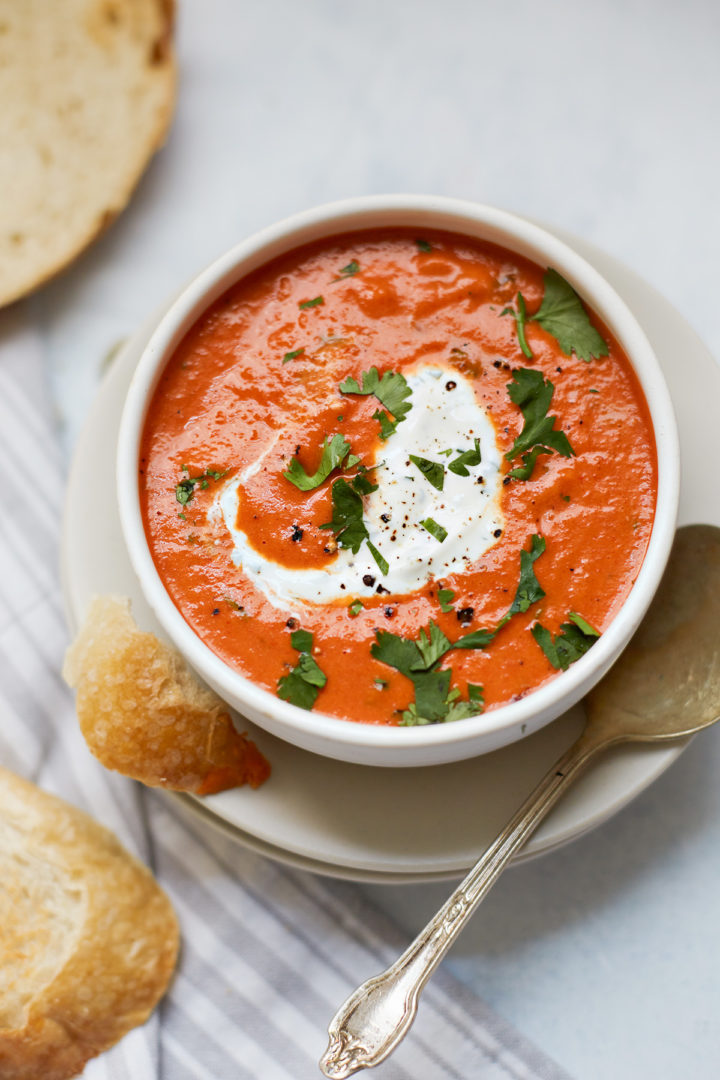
(88, 90)
(88, 940)
(143, 712)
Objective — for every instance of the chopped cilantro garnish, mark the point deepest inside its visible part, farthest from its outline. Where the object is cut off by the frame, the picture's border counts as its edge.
(185, 490)
(391, 391)
(562, 314)
(292, 355)
(573, 641)
(303, 684)
(318, 301)
(334, 453)
(434, 529)
(423, 245)
(533, 393)
(355, 608)
(467, 457)
(350, 270)
(433, 471)
(446, 596)
(418, 660)
(520, 317)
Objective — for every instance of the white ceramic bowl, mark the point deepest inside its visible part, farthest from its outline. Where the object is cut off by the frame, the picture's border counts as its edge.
(364, 743)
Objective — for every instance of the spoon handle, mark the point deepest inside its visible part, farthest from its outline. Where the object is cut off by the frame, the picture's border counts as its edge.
(377, 1016)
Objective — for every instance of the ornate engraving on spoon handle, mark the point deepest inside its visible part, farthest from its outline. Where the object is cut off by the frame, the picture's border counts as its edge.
(376, 1016)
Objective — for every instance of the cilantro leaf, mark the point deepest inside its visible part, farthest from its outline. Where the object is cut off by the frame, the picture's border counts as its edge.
(433, 471)
(477, 639)
(355, 608)
(467, 457)
(529, 589)
(395, 651)
(303, 684)
(520, 317)
(318, 301)
(446, 596)
(461, 710)
(347, 518)
(431, 698)
(302, 640)
(431, 645)
(434, 529)
(423, 245)
(350, 270)
(333, 455)
(562, 314)
(391, 391)
(292, 355)
(387, 426)
(382, 563)
(362, 485)
(533, 393)
(573, 641)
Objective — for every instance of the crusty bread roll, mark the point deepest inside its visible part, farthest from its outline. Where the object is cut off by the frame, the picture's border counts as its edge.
(87, 90)
(88, 940)
(144, 713)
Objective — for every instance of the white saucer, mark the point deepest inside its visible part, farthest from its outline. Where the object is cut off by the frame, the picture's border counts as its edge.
(399, 825)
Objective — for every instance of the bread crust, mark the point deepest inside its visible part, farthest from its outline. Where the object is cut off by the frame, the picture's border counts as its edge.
(143, 712)
(104, 942)
(90, 90)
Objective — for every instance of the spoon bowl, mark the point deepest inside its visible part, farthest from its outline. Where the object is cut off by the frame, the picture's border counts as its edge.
(665, 686)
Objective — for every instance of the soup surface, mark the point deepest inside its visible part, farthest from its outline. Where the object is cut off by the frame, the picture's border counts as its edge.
(398, 478)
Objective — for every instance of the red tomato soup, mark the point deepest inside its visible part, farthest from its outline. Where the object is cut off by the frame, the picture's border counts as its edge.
(399, 479)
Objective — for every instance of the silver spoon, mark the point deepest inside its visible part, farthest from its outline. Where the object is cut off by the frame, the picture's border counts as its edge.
(665, 686)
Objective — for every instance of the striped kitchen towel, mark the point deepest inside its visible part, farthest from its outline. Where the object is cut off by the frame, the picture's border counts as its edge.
(268, 952)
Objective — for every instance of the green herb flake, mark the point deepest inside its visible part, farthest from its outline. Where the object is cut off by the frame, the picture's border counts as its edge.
(293, 355)
(433, 471)
(391, 391)
(350, 270)
(355, 608)
(520, 317)
(382, 563)
(563, 315)
(333, 454)
(434, 529)
(565, 498)
(318, 301)
(303, 684)
(381, 684)
(574, 640)
(470, 458)
(592, 391)
(185, 490)
(532, 393)
(446, 597)
(423, 245)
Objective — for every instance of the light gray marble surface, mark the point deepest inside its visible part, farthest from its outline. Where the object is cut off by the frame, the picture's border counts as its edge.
(597, 117)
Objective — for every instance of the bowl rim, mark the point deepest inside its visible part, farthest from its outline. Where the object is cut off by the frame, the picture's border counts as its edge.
(336, 736)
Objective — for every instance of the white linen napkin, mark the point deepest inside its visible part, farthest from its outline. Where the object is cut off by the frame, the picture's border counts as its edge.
(268, 953)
